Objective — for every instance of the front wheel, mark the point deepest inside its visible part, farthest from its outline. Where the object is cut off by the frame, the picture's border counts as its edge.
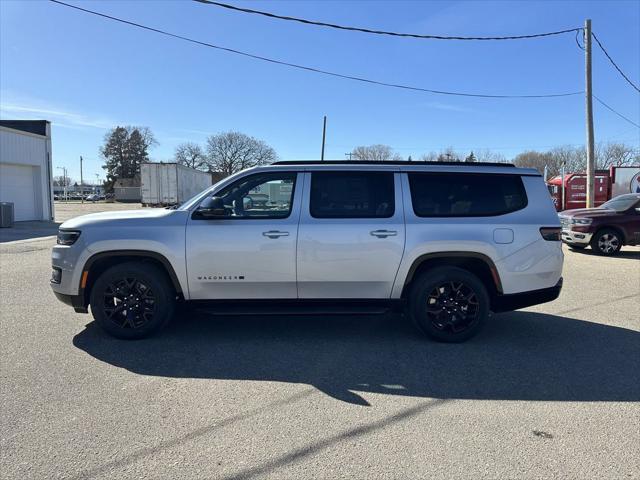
(132, 300)
(449, 304)
(606, 242)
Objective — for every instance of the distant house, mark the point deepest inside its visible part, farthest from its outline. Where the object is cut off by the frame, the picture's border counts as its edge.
(127, 190)
(25, 168)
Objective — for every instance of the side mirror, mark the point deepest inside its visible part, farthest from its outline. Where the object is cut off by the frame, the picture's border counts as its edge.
(212, 207)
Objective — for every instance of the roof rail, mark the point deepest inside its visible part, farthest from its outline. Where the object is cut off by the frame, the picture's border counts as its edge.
(390, 162)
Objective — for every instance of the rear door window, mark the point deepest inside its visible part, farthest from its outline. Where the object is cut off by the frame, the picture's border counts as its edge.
(352, 195)
(466, 194)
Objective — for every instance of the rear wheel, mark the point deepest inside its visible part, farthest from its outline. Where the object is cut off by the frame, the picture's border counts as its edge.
(449, 304)
(132, 300)
(606, 242)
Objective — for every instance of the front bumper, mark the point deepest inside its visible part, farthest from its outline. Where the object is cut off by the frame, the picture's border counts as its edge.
(576, 238)
(515, 301)
(75, 301)
(66, 263)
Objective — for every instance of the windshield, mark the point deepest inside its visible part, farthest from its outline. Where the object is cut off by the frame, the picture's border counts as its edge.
(621, 203)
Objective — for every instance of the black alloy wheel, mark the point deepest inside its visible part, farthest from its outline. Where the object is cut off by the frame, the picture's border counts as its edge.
(449, 304)
(453, 307)
(132, 300)
(129, 303)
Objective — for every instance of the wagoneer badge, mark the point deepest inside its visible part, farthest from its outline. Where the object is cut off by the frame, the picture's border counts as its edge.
(221, 277)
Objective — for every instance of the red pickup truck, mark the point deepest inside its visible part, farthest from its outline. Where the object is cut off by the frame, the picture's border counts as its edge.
(606, 228)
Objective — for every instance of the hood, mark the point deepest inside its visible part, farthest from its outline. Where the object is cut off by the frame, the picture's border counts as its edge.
(142, 216)
(587, 212)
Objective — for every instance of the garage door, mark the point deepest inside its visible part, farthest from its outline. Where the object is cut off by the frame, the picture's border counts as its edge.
(17, 185)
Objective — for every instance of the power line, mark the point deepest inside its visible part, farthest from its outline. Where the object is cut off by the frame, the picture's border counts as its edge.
(378, 32)
(310, 69)
(614, 63)
(616, 112)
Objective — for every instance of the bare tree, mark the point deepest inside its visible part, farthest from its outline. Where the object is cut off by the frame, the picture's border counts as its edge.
(449, 155)
(429, 157)
(60, 181)
(537, 160)
(191, 155)
(446, 155)
(617, 155)
(377, 153)
(230, 152)
(487, 155)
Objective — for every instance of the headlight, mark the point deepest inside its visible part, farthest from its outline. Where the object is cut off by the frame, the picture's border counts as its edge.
(581, 221)
(67, 237)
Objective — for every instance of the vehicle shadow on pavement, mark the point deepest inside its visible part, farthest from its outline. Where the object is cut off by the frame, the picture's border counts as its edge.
(518, 356)
(621, 255)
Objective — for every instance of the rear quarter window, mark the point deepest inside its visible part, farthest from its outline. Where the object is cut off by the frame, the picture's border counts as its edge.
(466, 194)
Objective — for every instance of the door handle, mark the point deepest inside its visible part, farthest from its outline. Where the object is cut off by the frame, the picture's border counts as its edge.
(275, 234)
(383, 233)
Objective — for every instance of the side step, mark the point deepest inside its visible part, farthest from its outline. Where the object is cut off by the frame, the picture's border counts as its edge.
(293, 307)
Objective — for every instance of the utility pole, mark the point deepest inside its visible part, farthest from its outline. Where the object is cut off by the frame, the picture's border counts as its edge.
(562, 175)
(350, 154)
(81, 182)
(324, 134)
(589, 111)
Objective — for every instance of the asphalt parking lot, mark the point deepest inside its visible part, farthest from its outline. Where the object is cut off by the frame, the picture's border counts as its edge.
(548, 392)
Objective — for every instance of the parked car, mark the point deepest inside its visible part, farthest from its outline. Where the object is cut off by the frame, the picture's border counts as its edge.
(606, 228)
(448, 243)
(94, 197)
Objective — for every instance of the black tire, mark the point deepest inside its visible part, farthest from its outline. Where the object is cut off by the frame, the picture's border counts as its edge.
(577, 247)
(607, 242)
(142, 286)
(458, 320)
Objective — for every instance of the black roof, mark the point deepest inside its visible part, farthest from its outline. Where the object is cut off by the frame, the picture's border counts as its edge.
(39, 127)
(390, 162)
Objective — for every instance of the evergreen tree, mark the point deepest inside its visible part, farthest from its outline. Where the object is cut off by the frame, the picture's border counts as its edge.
(124, 149)
(471, 158)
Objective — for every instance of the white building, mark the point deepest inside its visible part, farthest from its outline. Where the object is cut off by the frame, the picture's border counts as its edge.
(25, 168)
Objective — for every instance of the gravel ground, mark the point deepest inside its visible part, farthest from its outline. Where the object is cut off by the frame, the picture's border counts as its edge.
(548, 392)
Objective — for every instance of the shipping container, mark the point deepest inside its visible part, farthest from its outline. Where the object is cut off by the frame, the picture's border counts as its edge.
(170, 183)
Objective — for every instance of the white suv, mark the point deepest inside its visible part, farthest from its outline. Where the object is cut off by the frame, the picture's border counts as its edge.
(446, 242)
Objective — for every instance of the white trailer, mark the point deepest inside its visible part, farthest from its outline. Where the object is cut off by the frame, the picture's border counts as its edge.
(625, 180)
(170, 183)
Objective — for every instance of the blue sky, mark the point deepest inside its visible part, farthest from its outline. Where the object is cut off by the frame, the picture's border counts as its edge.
(87, 74)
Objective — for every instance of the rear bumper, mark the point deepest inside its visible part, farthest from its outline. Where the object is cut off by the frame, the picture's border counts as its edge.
(515, 301)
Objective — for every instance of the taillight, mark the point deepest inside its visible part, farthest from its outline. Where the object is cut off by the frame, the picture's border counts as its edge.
(553, 234)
